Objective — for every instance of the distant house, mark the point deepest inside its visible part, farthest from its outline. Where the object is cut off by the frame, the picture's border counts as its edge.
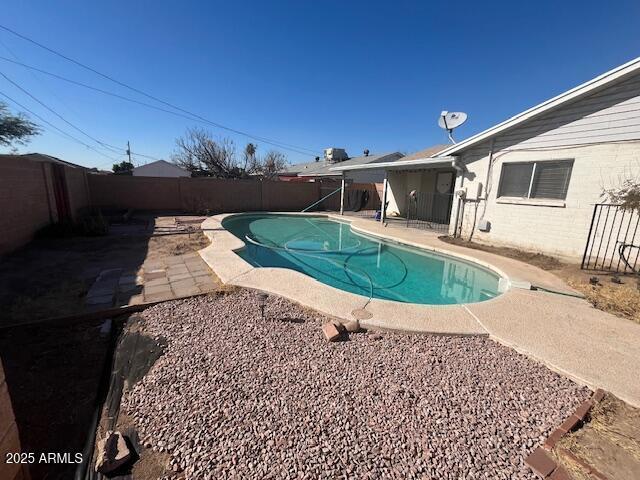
(533, 181)
(160, 168)
(291, 172)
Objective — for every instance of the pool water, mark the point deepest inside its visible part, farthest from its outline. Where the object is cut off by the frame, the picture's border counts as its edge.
(330, 252)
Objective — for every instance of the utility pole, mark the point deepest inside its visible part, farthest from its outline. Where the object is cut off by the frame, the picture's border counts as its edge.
(129, 151)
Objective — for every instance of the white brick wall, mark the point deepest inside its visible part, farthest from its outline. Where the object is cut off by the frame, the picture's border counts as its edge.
(560, 231)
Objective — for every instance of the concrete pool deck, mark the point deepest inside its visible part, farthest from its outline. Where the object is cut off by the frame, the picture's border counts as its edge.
(565, 333)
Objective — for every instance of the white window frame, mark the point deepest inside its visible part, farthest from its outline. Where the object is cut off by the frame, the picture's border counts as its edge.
(535, 163)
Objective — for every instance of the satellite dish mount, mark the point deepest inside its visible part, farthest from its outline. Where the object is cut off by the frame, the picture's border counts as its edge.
(450, 120)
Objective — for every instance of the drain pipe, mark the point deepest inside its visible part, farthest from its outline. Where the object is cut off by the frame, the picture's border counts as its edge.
(342, 194)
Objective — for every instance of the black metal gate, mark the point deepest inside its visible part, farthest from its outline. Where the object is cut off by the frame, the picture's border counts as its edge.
(614, 240)
(430, 211)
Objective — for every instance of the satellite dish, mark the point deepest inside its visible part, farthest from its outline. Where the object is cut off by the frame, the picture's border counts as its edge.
(450, 120)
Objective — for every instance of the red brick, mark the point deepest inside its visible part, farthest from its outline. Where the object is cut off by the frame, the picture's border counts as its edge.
(330, 331)
(554, 438)
(583, 410)
(569, 424)
(598, 395)
(560, 474)
(541, 463)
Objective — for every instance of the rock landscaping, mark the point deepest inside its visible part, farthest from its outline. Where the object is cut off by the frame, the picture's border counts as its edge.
(235, 396)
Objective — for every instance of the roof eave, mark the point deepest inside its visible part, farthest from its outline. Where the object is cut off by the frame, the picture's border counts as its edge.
(575, 93)
(398, 164)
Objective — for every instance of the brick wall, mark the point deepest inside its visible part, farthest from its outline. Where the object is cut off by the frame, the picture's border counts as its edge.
(25, 196)
(143, 193)
(9, 437)
(559, 230)
(27, 199)
(200, 194)
(78, 189)
(28, 203)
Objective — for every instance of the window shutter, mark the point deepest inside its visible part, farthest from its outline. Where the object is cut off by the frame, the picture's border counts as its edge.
(552, 179)
(515, 179)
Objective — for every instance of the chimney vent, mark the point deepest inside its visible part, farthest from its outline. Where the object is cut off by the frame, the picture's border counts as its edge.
(366, 152)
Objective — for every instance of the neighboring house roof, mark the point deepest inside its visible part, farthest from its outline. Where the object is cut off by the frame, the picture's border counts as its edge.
(592, 86)
(302, 167)
(41, 157)
(426, 152)
(417, 159)
(146, 166)
(356, 163)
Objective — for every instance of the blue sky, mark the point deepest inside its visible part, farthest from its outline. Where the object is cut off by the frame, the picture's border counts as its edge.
(314, 74)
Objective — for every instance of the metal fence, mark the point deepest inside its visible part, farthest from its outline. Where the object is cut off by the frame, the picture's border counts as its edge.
(429, 211)
(358, 201)
(614, 240)
(365, 203)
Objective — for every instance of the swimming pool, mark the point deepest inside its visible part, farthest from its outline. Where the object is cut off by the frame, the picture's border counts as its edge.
(332, 253)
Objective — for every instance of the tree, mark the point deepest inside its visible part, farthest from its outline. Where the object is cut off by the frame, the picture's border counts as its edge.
(272, 163)
(123, 168)
(250, 157)
(15, 129)
(627, 195)
(200, 154)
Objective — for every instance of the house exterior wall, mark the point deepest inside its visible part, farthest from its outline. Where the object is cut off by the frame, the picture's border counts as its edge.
(402, 182)
(585, 131)
(160, 169)
(365, 176)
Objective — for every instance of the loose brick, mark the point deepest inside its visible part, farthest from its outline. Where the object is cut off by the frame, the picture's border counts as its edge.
(541, 463)
(330, 331)
(112, 452)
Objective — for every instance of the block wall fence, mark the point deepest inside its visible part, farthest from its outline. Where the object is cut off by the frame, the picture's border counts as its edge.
(34, 194)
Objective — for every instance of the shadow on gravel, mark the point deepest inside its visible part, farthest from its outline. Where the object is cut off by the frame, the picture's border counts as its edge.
(53, 374)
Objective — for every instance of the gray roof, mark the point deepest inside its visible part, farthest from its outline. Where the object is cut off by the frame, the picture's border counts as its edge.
(303, 167)
(427, 152)
(325, 169)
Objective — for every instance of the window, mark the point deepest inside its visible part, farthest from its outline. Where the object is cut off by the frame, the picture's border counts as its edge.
(547, 179)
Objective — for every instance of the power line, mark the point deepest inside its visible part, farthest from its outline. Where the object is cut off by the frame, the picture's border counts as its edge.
(103, 144)
(116, 95)
(275, 143)
(68, 135)
(107, 146)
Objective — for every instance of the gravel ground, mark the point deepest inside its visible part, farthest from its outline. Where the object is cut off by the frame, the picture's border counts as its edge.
(238, 397)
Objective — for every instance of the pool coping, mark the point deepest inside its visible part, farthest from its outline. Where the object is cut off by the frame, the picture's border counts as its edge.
(386, 314)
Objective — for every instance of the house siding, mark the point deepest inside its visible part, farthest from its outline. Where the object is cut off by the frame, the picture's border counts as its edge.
(585, 131)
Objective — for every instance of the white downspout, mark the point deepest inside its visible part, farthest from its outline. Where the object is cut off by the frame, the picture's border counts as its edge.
(383, 209)
(342, 195)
